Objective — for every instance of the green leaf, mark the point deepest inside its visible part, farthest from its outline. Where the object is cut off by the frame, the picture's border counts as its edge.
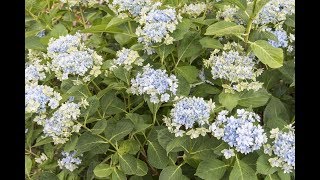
(181, 29)
(111, 104)
(211, 169)
(58, 30)
(172, 173)
(242, 171)
(121, 129)
(254, 98)
(288, 70)
(189, 46)
(260, 4)
(208, 42)
(33, 42)
(102, 28)
(267, 54)
(272, 177)
(88, 141)
(78, 92)
(275, 110)
(129, 146)
(177, 144)
(27, 165)
(157, 156)
(183, 86)
(164, 137)
(242, 4)
(223, 28)
(48, 176)
(48, 150)
(102, 170)
(204, 90)
(122, 74)
(71, 144)
(128, 164)
(118, 175)
(284, 176)
(115, 21)
(164, 50)
(190, 73)
(264, 167)
(202, 148)
(228, 100)
(290, 21)
(140, 122)
(99, 127)
(142, 168)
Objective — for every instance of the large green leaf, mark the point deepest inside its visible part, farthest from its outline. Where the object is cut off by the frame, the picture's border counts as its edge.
(58, 30)
(211, 169)
(223, 28)
(177, 144)
(208, 42)
(164, 137)
(142, 168)
(99, 127)
(172, 173)
(27, 165)
(275, 110)
(264, 167)
(119, 130)
(228, 100)
(272, 177)
(181, 29)
(118, 175)
(111, 104)
(92, 108)
(157, 156)
(242, 171)
(48, 176)
(71, 144)
(164, 50)
(88, 141)
(140, 122)
(267, 54)
(189, 46)
(183, 86)
(102, 170)
(128, 164)
(242, 4)
(123, 74)
(204, 90)
(253, 98)
(190, 73)
(129, 146)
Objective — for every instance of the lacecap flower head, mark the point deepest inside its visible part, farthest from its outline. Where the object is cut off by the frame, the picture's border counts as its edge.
(194, 10)
(155, 83)
(71, 57)
(234, 65)
(37, 97)
(62, 123)
(282, 149)
(36, 67)
(127, 58)
(134, 7)
(241, 131)
(189, 116)
(69, 161)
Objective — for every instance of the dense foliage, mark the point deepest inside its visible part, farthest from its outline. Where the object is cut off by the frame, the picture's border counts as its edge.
(150, 89)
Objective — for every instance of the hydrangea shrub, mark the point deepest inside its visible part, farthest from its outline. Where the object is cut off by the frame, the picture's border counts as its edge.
(169, 90)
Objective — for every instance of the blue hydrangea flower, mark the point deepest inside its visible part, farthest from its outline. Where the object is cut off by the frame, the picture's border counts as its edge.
(281, 36)
(155, 83)
(134, 7)
(240, 131)
(127, 58)
(37, 97)
(34, 72)
(189, 113)
(283, 147)
(69, 161)
(62, 123)
(63, 44)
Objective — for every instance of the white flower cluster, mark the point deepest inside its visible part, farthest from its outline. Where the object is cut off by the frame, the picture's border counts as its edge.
(240, 131)
(189, 116)
(155, 26)
(37, 97)
(69, 161)
(62, 123)
(127, 57)
(281, 36)
(41, 159)
(194, 10)
(236, 67)
(155, 83)
(275, 12)
(283, 148)
(134, 7)
(228, 153)
(228, 13)
(70, 56)
(35, 68)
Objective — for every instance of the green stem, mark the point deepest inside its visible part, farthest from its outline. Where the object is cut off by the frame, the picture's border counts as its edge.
(95, 85)
(250, 21)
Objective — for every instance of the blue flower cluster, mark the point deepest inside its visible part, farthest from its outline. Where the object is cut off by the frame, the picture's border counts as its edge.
(127, 57)
(70, 56)
(35, 68)
(155, 83)
(134, 7)
(283, 148)
(37, 97)
(62, 123)
(190, 113)
(275, 11)
(69, 161)
(241, 131)
(281, 36)
(155, 26)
